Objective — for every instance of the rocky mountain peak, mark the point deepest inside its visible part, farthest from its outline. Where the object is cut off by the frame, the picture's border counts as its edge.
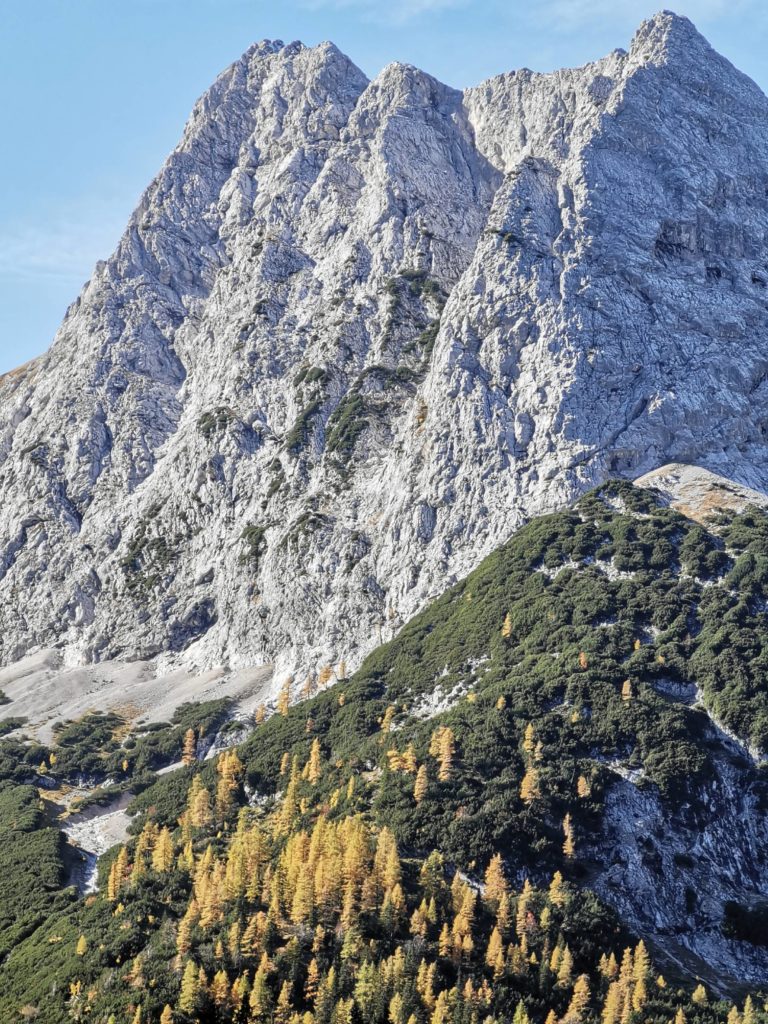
(357, 332)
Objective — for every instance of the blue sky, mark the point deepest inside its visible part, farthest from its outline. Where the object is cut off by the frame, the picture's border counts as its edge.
(96, 93)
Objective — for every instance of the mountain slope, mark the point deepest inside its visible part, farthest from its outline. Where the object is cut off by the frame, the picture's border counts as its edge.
(357, 332)
(601, 677)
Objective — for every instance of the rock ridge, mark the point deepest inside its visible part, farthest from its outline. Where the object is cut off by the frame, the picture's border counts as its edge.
(357, 332)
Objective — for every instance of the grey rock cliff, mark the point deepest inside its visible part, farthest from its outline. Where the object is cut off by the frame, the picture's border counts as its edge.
(356, 332)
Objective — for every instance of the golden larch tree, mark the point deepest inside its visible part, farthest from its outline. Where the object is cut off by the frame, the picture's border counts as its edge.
(408, 760)
(569, 844)
(530, 789)
(190, 988)
(614, 998)
(189, 749)
(162, 855)
(496, 885)
(220, 988)
(699, 996)
(565, 969)
(284, 697)
(529, 740)
(641, 963)
(494, 954)
(283, 1007)
(446, 752)
(313, 764)
(421, 785)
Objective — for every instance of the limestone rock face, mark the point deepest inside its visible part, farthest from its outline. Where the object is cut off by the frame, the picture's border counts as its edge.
(356, 332)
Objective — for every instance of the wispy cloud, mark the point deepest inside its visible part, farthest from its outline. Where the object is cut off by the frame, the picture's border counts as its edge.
(66, 247)
(568, 14)
(396, 12)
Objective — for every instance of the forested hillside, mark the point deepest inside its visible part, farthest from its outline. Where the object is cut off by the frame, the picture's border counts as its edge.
(420, 843)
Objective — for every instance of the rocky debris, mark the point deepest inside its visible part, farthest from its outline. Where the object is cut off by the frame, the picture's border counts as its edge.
(43, 691)
(93, 832)
(699, 493)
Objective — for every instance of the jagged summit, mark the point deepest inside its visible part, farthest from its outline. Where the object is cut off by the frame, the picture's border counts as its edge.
(357, 332)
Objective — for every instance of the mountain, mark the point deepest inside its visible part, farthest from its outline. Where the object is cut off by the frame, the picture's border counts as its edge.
(581, 723)
(356, 333)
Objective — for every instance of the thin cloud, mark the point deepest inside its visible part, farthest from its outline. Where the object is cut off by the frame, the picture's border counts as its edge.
(568, 14)
(396, 12)
(66, 248)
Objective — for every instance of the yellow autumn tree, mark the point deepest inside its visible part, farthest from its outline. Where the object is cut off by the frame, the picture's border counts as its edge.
(162, 855)
(569, 845)
(199, 804)
(506, 628)
(118, 874)
(565, 969)
(641, 963)
(260, 1000)
(445, 755)
(312, 983)
(284, 697)
(421, 784)
(313, 764)
(494, 954)
(190, 988)
(496, 885)
(220, 988)
(189, 749)
(283, 1007)
(230, 770)
(523, 909)
(612, 1006)
(530, 789)
(699, 996)
(529, 740)
(579, 1001)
